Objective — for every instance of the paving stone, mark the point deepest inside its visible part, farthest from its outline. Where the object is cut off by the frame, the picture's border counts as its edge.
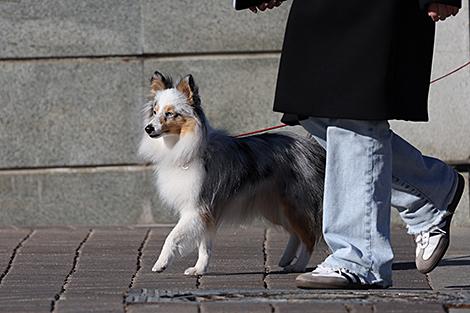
(4, 260)
(163, 308)
(31, 287)
(235, 307)
(69, 28)
(360, 308)
(310, 307)
(92, 303)
(405, 274)
(100, 281)
(10, 240)
(244, 282)
(25, 306)
(43, 269)
(172, 278)
(22, 271)
(46, 259)
(236, 264)
(90, 289)
(52, 250)
(177, 282)
(11, 237)
(406, 308)
(452, 273)
(213, 27)
(32, 290)
(103, 291)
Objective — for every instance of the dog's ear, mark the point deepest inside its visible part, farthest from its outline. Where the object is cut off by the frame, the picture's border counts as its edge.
(188, 87)
(159, 82)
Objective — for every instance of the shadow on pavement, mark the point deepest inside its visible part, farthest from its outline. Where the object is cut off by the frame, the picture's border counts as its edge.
(454, 261)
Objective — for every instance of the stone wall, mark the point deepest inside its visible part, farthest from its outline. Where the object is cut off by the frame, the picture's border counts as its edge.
(74, 75)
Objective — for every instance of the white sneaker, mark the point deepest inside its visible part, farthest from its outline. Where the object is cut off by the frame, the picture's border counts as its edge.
(431, 245)
(327, 278)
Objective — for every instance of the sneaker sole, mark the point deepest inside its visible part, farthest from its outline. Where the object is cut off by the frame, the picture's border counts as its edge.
(333, 284)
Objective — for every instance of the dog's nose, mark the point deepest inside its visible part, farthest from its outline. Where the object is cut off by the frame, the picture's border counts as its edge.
(149, 129)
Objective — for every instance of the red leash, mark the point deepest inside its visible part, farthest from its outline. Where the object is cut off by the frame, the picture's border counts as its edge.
(284, 125)
(450, 73)
(261, 130)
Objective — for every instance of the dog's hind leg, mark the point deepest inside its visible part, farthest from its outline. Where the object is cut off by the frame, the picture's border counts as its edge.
(205, 250)
(301, 227)
(180, 240)
(290, 251)
(303, 256)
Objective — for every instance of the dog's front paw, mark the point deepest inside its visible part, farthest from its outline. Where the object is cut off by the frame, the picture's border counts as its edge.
(159, 266)
(194, 271)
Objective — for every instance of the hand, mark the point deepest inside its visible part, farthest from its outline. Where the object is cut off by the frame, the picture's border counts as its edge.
(438, 11)
(266, 5)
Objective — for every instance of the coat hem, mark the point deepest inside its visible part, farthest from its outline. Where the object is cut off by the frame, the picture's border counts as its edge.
(293, 118)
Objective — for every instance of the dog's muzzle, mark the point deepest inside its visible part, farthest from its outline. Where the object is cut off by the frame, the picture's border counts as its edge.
(150, 130)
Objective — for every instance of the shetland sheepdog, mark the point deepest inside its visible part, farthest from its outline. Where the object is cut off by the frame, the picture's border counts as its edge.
(210, 178)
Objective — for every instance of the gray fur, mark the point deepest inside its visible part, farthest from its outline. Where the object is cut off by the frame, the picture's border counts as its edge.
(295, 164)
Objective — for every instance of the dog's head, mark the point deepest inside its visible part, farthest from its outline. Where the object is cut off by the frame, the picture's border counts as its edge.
(173, 110)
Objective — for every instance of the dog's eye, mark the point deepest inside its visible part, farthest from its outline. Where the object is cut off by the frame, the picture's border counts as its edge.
(154, 112)
(169, 114)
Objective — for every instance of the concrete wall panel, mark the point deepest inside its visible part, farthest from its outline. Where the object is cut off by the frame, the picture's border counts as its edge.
(187, 26)
(45, 28)
(69, 113)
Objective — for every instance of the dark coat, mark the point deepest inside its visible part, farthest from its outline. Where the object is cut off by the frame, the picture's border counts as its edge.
(356, 59)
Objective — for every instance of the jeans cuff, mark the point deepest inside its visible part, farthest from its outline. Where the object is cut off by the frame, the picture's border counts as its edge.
(417, 229)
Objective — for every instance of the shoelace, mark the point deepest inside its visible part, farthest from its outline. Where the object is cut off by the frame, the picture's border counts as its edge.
(422, 239)
(352, 277)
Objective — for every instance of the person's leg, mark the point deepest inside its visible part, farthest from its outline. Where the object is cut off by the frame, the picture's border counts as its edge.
(425, 191)
(356, 206)
(422, 186)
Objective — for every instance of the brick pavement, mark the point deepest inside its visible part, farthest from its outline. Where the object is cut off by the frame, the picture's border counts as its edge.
(107, 269)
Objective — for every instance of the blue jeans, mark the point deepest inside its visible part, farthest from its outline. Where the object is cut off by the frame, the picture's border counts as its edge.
(368, 169)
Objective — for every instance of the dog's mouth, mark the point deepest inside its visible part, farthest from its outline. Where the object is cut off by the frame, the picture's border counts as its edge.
(155, 135)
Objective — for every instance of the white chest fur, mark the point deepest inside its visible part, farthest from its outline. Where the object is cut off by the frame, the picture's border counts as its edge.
(179, 187)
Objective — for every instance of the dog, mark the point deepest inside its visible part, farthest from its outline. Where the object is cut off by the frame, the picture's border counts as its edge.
(210, 178)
